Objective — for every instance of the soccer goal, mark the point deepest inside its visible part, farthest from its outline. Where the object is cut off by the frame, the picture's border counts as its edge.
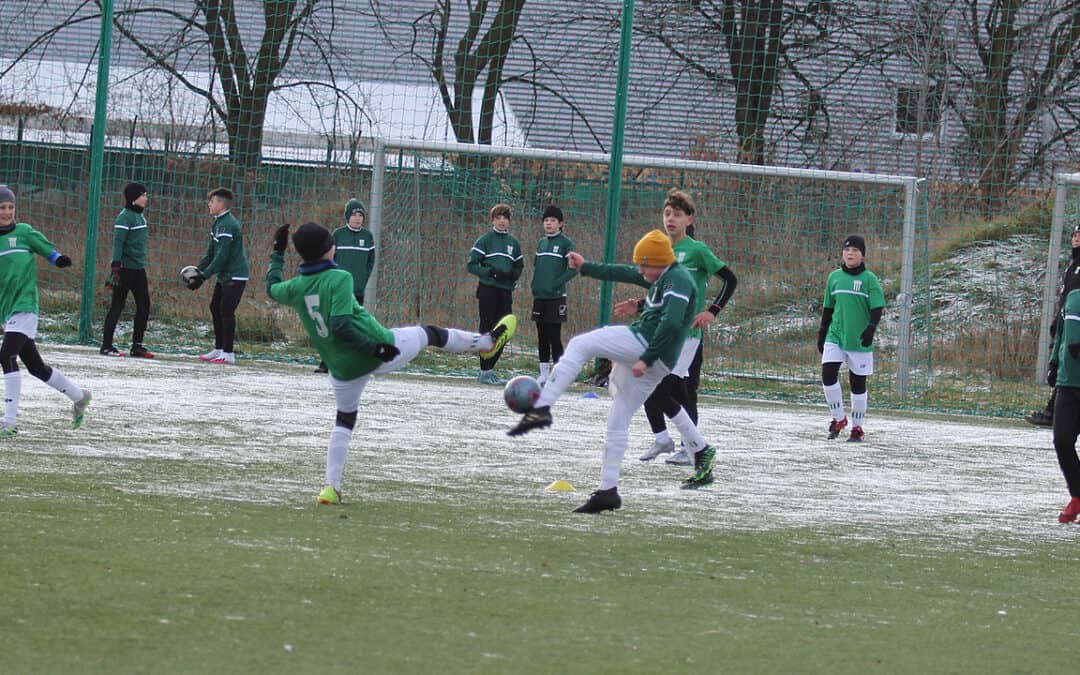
(1066, 207)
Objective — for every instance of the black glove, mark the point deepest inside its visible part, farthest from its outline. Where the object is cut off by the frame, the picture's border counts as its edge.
(822, 332)
(196, 282)
(499, 276)
(281, 239)
(114, 274)
(385, 352)
(867, 336)
(1051, 375)
(1074, 351)
(63, 261)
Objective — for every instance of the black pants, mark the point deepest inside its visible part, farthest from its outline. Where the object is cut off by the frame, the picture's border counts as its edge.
(133, 281)
(494, 304)
(1066, 429)
(223, 310)
(18, 345)
(675, 392)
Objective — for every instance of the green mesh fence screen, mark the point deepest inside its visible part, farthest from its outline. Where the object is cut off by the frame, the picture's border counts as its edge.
(297, 106)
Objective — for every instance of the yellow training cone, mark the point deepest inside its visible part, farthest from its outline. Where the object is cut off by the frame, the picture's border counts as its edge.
(561, 486)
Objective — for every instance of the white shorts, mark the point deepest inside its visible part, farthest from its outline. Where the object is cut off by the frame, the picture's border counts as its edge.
(686, 357)
(410, 341)
(860, 363)
(22, 322)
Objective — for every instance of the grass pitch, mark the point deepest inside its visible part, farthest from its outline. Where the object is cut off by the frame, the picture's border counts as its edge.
(177, 532)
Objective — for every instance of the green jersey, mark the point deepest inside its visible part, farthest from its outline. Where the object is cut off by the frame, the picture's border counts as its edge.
(355, 254)
(129, 240)
(669, 308)
(550, 271)
(851, 297)
(1068, 332)
(499, 252)
(18, 269)
(702, 264)
(225, 254)
(319, 297)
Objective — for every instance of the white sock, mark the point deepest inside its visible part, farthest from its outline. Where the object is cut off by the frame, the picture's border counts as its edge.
(12, 391)
(545, 371)
(60, 383)
(834, 397)
(692, 438)
(335, 455)
(663, 437)
(461, 341)
(858, 409)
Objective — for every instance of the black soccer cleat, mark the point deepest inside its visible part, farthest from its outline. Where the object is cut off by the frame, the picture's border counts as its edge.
(1040, 418)
(703, 466)
(601, 500)
(537, 418)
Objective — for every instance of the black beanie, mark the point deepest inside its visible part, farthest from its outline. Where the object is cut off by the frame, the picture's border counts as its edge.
(553, 212)
(312, 240)
(352, 206)
(856, 241)
(133, 191)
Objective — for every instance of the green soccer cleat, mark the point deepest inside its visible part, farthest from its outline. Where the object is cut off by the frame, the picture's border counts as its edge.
(329, 495)
(501, 334)
(8, 432)
(703, 466)
(78, 410)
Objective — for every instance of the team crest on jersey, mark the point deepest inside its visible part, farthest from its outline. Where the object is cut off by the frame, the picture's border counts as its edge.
(856, 285)
(680, 256)
(510, 249)
(12, 242)
(555, 248)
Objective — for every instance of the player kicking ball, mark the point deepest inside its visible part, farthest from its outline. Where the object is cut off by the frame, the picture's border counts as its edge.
(642, 354)
(352, 343)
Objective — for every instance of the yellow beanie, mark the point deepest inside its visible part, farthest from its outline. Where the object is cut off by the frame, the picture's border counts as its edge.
(654, 250)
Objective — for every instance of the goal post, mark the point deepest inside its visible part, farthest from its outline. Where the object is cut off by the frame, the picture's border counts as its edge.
(1064, 184)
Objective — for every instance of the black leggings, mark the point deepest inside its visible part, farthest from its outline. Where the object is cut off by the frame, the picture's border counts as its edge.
(675, 392)
(1066, 429)
(830, 374)
(18, 345)
(135, 282)
(494, 304)
(549, 341)
(223, 310)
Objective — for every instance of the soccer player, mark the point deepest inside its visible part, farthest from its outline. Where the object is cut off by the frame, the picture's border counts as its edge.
(849, 318)
(550, 274)
(642, 354)
(226, 258)
(19, 309)
(678, 391)
(1069, 281)
(128, 273)
(497, 262)
(352, 343)
(355, 246)
(1065, 358)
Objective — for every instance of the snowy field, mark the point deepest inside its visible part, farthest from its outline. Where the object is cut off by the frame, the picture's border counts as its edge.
(419, 437)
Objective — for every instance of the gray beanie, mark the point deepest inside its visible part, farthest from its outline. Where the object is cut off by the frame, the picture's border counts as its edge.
(6, 195)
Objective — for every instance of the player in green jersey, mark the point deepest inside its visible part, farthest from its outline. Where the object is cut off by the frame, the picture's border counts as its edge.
(128, 273)
(849, 318)
(355, 246)
(19, 312)
(642, 354)
(225, 257)
(352, 343)
(497, 262)
(550, 274)
(1065, 357)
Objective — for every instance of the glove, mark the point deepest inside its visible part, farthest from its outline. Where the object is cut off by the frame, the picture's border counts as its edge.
(867, 336)
(1074, 351)
(386, 352)
(822, 332)
(281, 239)
(114, 274)
(1051, 375)
(63, 261)
(196, 282)
(499, 276)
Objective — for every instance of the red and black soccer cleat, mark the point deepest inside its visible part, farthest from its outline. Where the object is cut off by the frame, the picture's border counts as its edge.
(1072, 510)
(835, 427)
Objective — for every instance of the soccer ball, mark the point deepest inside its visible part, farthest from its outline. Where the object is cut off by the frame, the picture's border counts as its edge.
(188, 274)
(521, 393)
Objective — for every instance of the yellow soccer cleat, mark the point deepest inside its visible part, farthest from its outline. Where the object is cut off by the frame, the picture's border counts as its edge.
(329, 495)
(501, 334)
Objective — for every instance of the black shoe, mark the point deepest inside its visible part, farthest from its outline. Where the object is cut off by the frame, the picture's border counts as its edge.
(111, 351)
(537, 418)
(1040, 418)
(140, 352)
(601, 500)
(703, 466)
(322, 368)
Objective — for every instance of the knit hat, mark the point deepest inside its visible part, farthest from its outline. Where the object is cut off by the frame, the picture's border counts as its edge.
(352, 206)
(6, 195)
(654, 250)
(312, 240)
(553, 211)
(1075, 229)
(856, 241)
(133, 191)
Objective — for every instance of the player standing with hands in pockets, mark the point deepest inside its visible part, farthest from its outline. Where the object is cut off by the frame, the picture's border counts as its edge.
(497, 262)
(849, 318)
